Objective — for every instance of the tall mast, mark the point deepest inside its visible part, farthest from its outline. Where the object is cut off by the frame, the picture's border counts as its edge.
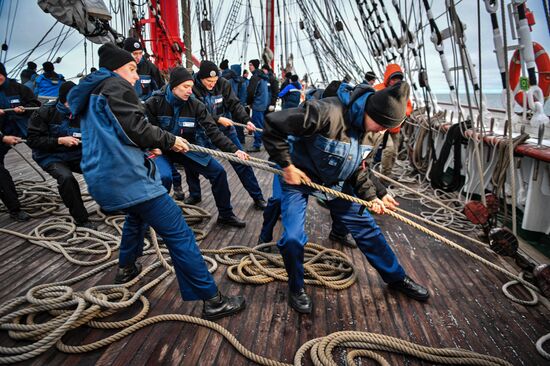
(270, 29)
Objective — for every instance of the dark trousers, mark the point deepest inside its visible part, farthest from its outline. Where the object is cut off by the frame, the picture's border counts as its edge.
(214, 172)
(165, 217)
(8, 194)
(258, 119)
(240, 134)
(244, 172)
(69, 190)
(176, 176)
(363, 228)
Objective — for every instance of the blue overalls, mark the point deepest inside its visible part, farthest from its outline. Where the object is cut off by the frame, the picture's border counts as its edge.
(334, 161)
(214, 104)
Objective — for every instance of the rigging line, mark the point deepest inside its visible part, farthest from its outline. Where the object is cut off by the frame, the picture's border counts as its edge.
(299, 48)
(60, 44)
(43, 44)
(22, 62)
(12, 26)
(255, 30)
(8, 22)
(55, 43)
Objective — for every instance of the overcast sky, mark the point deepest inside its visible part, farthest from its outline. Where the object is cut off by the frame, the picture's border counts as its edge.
(31, 24)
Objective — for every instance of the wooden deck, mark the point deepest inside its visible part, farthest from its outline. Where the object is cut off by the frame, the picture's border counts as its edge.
(467, 308)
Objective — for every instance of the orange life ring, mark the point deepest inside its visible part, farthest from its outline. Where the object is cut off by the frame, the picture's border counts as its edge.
(543, 65)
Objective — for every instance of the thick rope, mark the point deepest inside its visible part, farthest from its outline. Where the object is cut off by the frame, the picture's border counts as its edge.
(395, 214)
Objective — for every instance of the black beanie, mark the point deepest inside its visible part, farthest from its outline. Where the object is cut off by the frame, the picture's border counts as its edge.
(31, 65)
(47, 66)
(388, 106)
(132, 44)
(3, 70)
(64, 90)
(255, 62)
(179, 75)
(207, 69)
(370, 75)
(294, 78)
(111, 57)
(224, 64)
(266, 67)
(288, 75)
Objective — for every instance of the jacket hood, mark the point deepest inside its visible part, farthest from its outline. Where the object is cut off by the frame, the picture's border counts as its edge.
(80, 95)
(355, 100)
(237, 69)
(391, 70)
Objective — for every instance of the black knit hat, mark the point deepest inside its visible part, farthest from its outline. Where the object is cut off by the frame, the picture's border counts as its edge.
(3, 70)
(294, 78)
(397, 74)
(31, 65)
(370, 75)
(64, 90)
(179, 75)
(47, 66)
(388, 106)
(266, 67)
(288, 75)
(111, 57)
(132, 44)
(207, 69)
(224, 64)
(255, 62)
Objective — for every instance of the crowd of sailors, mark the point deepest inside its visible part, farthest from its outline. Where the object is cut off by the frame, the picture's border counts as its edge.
(127, 129)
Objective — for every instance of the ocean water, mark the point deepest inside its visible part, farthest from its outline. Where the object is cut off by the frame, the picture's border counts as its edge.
(494, 100)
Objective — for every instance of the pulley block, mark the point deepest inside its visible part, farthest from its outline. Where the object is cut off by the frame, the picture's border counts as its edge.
(476, 212)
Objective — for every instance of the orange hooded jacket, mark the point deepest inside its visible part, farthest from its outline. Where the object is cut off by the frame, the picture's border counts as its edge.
(392, 69)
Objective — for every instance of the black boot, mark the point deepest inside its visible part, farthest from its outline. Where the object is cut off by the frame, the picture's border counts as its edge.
(87, 224)
(411, 289)
(345, 240)
(221, 305)
(20, 216)
(231, 221)
(192, 200)
(260, 204)
(128, 273)
(178, 194)
(300, 301)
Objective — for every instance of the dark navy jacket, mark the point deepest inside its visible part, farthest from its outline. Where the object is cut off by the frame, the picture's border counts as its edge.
(46, 125)
(330, 141)
(13, 94)
(221, 101)
(188, 119)
(115, 134)
(291, 95)
(149, 79)
(48, 84)
(257, 92)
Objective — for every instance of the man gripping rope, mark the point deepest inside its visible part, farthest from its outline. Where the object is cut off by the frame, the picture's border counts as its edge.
(330, 146)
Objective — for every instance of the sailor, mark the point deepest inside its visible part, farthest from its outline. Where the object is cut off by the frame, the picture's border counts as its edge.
(224, 68)
(54, 137)
(338, 233)
(390, 144)
(13, 127)
(149, 76)
(370, 78)
(330, 147)
(272, 87)
(224, 107)
(115, 134)
(28, 75)
(291, 93)
(47, 84)
(286, 81)
(258, 100)
(238, 86)
(175, 110)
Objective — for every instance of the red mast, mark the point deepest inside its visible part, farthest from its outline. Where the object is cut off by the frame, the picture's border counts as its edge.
(270, 29)
(166, 43)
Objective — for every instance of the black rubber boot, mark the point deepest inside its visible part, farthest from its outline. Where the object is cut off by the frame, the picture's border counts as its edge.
(300, 301)
(128, 273)
(231, 221)
(192, 200)
(20, 216)
(220, 306)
